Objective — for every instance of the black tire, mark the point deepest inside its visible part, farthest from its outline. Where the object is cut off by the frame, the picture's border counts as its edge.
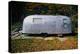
(44, 34)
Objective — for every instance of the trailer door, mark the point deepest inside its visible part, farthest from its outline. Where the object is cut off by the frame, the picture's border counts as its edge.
(49, 26)
(59, 26)
(52, 27)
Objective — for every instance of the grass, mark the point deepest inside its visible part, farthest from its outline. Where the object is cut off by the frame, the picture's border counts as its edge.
(30, 45)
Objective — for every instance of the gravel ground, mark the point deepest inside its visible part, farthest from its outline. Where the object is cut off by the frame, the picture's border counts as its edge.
(22, 36)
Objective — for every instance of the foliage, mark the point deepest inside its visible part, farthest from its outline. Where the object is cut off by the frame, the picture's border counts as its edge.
(29, 45)
(19, 10)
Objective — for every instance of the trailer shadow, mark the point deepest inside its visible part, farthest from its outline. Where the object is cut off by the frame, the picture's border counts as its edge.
(52, 35)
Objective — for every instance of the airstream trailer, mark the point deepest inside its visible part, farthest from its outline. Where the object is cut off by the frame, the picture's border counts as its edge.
(50, 24)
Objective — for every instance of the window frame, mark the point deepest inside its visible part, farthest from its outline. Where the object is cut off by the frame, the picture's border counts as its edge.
(37, 20)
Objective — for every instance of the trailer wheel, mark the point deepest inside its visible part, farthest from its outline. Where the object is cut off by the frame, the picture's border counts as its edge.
(44, 34)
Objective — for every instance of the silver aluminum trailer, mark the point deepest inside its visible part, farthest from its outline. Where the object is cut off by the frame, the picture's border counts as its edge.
(50, 24)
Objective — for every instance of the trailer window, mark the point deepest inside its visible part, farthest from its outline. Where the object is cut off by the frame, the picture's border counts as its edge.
(64, 20)
(65, 23)
(37, 20)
